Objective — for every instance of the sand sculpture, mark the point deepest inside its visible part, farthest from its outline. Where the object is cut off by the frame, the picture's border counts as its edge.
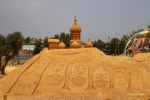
(75, 33)
(88, 44)
(101, 78)
(76, 72)
(53, 43)
(82, 70)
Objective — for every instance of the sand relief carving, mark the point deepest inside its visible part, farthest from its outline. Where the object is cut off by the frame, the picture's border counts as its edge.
(56, 75)
(79, 78)
(136, 82)
(28, 81)
(120, 81)
(101, 78)
(17, 74)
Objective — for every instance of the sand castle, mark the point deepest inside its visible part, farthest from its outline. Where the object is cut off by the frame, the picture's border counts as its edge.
(82, 70)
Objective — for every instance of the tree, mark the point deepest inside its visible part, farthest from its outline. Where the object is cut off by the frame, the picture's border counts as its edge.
(114, 46)
(2, 44)
(134, 32)
(99, 44)
(27, 40)
(63, 37)
(67, 40)
(38, 47)
(14, 42)
(45, 42)
(56, 36)
(122, 44)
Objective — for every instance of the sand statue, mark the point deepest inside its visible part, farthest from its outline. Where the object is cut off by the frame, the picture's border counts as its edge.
(77, 70)
(75, 33)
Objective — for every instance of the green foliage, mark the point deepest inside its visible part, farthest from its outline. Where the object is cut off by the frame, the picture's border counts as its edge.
(122, 45)
(2, 44)
(134, 32)
(114, 45)
(63, 37)
(67, 40)
(27, 40)
(56, 36)
(14, 42)
(99, 44)
(45, 42)
(38, 47)
(11, 47)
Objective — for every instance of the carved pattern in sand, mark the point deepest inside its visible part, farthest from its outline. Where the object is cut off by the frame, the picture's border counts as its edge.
(136, 82)
(9, 86)
(56, 74)
(120, 81)
(101, 78)
(79, 78)
(29, 80)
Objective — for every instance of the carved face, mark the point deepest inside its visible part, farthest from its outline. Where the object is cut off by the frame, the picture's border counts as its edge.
(40, 64)
(100, 71)
(80, 69)
(59, 66)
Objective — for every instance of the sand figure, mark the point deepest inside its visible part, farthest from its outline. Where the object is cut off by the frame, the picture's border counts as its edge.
(136, 82)
(79, 78)
(120, 81)
(101, 78)
(28, 81)
(56, 75)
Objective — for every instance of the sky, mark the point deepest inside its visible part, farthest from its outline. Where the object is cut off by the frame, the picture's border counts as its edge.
(97, 18)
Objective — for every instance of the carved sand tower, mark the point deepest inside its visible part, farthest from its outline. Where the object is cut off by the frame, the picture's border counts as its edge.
(75, 33)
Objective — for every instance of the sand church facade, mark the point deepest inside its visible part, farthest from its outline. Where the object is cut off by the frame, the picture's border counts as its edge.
(75, 39)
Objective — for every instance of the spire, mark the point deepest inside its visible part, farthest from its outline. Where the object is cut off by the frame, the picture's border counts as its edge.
(75, 20)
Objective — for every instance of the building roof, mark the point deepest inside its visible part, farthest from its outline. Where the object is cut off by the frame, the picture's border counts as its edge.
(28, 47)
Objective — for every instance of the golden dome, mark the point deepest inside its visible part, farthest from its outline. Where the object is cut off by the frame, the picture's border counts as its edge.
(61, 45)
(75, 44)
(88, 44)
(75, 28)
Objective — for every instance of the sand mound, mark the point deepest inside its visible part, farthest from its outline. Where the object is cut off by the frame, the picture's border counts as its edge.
(77, 71)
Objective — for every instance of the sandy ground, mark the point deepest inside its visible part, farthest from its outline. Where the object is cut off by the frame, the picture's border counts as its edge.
(99, 96)
(10, 68)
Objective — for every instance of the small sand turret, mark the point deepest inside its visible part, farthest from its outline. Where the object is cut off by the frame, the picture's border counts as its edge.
(88, 44)
(61, 45)
(75, 44)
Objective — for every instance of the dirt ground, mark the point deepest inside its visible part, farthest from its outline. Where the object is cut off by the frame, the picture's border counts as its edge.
(99, 96)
